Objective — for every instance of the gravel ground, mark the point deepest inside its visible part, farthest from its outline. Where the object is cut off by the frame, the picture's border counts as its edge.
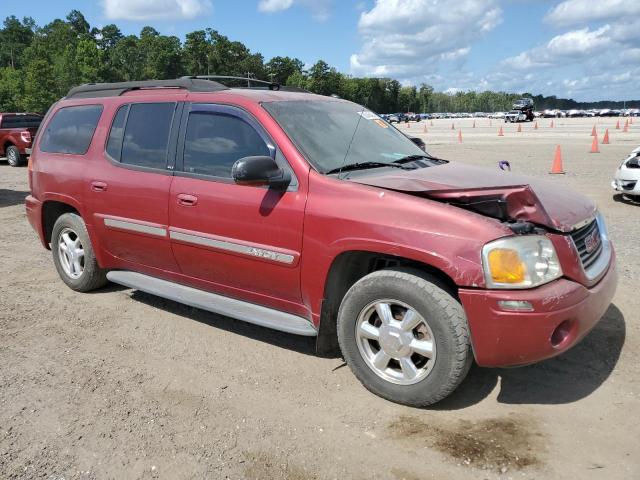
(120, 384)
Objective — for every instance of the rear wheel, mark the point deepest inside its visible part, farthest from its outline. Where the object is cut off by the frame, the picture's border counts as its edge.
(404, 336)
(13, 156)
(73, 254)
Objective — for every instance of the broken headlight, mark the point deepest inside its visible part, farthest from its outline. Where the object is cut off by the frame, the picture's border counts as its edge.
(520, 262)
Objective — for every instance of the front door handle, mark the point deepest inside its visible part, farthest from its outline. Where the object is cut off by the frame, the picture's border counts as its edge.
(187, 200)
(98, 186)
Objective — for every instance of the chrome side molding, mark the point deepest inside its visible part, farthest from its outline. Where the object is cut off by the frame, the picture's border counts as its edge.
(230, 307)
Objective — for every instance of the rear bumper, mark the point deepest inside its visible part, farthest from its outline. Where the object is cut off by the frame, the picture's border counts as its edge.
(33, 206)
(506, 338)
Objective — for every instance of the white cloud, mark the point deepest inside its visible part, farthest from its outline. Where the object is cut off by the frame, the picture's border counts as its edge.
(274, 5)
(572, 12)
(407, 37)
(321, 9)
(155, 9)
(570, 47)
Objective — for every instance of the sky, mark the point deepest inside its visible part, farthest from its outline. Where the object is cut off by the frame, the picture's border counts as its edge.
(587, 50)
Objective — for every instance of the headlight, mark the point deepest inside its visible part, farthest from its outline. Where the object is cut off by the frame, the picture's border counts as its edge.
(520, 262)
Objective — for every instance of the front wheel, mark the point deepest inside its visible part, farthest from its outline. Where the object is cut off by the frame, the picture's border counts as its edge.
(404, 336)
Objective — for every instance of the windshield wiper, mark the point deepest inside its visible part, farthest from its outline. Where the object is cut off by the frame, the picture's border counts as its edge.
(412, 158)
(364, 166)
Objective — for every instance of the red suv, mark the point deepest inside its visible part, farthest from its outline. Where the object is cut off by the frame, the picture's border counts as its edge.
(313, 216)
(16, 132)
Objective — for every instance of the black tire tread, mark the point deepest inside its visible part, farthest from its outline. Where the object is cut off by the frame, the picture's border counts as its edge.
(439, 292)
(93, 276)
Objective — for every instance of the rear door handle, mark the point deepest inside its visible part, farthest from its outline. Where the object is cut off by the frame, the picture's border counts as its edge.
(187, 200)
(98, 186)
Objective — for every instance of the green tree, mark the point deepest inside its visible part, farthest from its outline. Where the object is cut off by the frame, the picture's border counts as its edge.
(11, 89)
(15, 37)
(39, 86)
(279, 69)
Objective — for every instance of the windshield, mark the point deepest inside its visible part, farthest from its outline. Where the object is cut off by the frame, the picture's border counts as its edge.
(333, 133)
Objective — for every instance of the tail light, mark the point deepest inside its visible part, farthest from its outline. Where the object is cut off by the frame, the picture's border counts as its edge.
(25, 136)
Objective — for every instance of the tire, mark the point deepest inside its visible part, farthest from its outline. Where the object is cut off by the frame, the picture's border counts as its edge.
(86, 274)
(442, 324)
(13, 156)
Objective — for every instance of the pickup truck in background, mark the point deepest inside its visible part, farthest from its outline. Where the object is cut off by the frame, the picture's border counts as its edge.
(16, 134)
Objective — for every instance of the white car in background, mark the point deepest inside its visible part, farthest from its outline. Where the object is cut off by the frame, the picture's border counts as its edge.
(627, 177)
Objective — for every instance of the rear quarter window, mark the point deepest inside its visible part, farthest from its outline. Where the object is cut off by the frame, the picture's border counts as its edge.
(71, 130)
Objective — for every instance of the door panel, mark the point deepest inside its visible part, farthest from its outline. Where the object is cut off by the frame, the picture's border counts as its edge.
(245, 238)
(129, 187)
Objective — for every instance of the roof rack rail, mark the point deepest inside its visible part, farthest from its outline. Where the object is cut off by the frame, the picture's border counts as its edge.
(262, 84)
(192, 84)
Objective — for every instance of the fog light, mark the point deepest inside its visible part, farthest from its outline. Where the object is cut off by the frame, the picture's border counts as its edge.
(515, 305)
(561, 333)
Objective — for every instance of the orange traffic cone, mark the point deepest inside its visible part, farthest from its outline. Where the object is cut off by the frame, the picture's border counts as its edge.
(535, 126)
(500, 132)
(605, 139)
(551, 125)
(408, 125)
(594, 145)
(519, 128)
(618, 125)
(557, 162)
(453, 127)
(626, 128)
(593, 132)
(474, 124)
(460, 136)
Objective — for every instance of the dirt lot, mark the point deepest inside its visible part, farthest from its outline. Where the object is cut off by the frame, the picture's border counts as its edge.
(120, 384)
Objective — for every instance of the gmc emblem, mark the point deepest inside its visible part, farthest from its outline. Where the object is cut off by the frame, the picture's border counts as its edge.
(592, 241)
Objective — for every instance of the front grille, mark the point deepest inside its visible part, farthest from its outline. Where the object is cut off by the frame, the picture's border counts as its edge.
(589, 245)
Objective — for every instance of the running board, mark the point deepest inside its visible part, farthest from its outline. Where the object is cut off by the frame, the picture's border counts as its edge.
(229, 307)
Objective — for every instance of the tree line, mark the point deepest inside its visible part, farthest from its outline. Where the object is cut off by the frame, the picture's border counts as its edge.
(38, 65)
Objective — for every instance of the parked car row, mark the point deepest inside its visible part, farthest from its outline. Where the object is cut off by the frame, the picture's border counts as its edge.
(548, 113)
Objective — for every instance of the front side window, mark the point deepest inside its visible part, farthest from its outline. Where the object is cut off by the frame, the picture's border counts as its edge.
(143, 141)
(71, 130)
(214, 141)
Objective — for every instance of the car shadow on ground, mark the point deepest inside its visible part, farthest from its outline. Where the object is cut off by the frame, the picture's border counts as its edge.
(9, 198)
(618, 197)
(297, 343)
(564, 379)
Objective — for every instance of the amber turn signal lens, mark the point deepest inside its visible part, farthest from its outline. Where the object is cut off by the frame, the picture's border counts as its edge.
(506, 266)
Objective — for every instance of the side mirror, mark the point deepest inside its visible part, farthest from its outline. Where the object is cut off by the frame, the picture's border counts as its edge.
(419, 142)
(260, 171)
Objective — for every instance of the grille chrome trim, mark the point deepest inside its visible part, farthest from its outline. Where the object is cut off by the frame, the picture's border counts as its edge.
(596, 261)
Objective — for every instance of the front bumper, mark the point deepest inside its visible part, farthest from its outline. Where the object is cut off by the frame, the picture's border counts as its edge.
(503, 338)
(628, 187)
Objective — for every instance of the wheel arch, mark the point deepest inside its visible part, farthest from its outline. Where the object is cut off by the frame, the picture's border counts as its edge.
(345, 270)
(52, 210)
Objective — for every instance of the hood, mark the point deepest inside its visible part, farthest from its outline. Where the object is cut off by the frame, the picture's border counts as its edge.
(494, 193)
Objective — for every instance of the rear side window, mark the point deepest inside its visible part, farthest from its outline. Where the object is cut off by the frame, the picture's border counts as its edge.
(71, 129)
(21, 121)
(140, 134)
(214, 142)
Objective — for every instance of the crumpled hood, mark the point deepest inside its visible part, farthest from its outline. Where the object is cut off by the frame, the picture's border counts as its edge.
(516, 196)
